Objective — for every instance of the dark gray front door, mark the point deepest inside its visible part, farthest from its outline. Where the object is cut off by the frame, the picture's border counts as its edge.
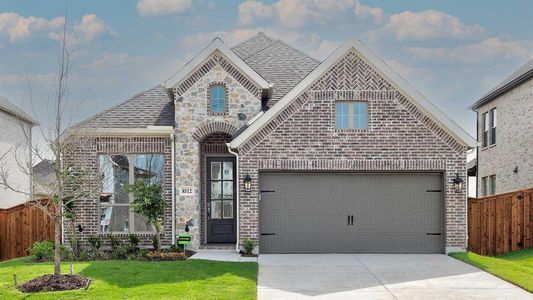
(351, 213)
(221, 193)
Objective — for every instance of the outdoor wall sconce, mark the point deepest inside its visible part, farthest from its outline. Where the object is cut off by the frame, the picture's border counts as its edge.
(247, 183)
(515, 170)
(458, 183)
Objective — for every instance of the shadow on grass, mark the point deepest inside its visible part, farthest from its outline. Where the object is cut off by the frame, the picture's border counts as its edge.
(127, 274)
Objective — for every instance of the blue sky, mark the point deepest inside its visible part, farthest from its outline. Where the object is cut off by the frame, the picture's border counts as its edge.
(451, 51)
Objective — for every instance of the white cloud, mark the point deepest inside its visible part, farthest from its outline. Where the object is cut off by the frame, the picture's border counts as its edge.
(150, 8)
(490, 49)
(91, 27)
(21, 80)
(18, 27)
(114, 60)
(251, 11)
(429, 24)
(298, 13)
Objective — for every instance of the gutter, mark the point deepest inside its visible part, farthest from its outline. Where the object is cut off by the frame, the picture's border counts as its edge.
(489, 97)
(238, 181)
(172, 172)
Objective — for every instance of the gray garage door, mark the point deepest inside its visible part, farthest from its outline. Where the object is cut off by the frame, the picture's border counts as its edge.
(349, 213)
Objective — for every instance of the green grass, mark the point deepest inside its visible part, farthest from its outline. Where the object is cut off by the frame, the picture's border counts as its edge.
(515, 267)
(191, 279)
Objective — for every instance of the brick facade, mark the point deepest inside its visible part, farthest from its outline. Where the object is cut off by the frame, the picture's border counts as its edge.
(86, 156)
(399, 138)
(514, 145)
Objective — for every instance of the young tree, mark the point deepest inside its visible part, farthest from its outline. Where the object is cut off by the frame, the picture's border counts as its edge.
(71, 181)
(149, 202)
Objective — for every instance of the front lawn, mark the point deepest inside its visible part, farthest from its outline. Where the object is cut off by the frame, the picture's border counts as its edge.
(191, 279)
(515, 267)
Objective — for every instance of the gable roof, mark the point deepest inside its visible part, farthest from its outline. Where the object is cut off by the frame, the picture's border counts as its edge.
(152, 107)
(385, 70)
(12, 109)
(216, 45)
(280, 64)
(522, 74)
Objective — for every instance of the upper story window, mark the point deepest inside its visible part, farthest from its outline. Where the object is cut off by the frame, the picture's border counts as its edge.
(351, 115)
(489, 122)
(217, 95)
(493, 126)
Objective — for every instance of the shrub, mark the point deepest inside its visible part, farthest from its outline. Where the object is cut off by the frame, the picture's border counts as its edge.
(174, 248)
(43, 250)
(143, 254)
(66, 253)
(249, 246)
(155, 242)
(114, 242)
(134, 243)
(95, 242)
(120, 252)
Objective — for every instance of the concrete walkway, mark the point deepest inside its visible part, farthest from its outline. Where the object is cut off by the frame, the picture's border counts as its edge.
(222, 255)
(377, 276)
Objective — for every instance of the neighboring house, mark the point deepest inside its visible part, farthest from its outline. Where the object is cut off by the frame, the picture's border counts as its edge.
(262, 142)
(44, 179)
(505, 135)
(15, 154)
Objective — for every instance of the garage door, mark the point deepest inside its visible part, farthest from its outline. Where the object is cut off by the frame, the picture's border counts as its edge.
(351, 213)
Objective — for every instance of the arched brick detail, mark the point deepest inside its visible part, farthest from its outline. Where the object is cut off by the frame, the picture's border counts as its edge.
(213, 127)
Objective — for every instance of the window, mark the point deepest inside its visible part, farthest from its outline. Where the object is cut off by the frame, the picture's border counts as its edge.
(222, 190)
(493, 126)
(485, 130)
(484, 186)
(492, 184)
(217, 94)
(351, 115)
(116, 172)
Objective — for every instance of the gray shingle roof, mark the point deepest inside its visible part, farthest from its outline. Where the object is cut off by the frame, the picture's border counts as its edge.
(151, 107)
(12, 109)
(523, 73)
(277, 62)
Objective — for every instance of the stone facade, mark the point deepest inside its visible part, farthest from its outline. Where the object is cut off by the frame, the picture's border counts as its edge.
(399, 138)
(87, 210)
(195, 123)
(514, 144)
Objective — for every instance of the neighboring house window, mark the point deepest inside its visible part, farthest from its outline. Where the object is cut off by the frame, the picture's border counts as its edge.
(484, 186)
(493, 126)
(492, 184)
(485, 130)
(117, 171)
(351, 115)
(217, 95)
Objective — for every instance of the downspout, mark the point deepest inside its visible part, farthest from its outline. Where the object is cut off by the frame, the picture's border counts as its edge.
(172, 174)
(477, 153)
(238, 181)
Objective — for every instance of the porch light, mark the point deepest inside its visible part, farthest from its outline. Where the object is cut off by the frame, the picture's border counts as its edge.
(458, 183)
(247, 183)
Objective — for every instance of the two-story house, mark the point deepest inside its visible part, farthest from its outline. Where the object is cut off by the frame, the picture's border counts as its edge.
(505, 135)
(261, 141)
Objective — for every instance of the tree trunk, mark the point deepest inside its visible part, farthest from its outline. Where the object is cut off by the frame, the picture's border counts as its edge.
(158, 232)
(57, 240)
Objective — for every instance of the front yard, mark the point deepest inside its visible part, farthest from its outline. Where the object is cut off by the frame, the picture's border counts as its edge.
(191, 279)
(515, 267)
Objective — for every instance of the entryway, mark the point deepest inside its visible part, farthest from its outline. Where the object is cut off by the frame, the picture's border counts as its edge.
(377, 276)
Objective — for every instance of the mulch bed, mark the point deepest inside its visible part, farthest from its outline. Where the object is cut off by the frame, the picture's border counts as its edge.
(49, 283)
(249, 255)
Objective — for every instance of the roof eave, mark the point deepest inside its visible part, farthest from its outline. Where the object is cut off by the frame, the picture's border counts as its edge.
(217, 45)
(394, 78)
(491, 96)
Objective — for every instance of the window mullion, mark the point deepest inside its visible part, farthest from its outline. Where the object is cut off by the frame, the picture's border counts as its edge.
(351, 115)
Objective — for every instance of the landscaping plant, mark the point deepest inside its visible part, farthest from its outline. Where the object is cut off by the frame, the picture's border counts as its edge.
(43, 251)
(249, 246)
(148, 201)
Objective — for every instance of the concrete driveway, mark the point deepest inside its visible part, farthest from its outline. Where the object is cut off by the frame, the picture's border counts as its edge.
(377, 276)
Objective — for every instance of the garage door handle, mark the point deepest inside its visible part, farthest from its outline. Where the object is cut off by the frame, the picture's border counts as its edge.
(352, 219)
(270, 233)
(433, 233)
(348, 220)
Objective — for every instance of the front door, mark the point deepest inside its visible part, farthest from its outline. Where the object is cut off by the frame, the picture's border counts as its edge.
(221, 193)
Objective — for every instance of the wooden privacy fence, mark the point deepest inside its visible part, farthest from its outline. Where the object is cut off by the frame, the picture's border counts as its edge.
(20, 227)
(500, 223)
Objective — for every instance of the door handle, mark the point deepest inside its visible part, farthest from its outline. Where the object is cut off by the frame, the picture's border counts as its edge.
(352, 219)
(348, 220)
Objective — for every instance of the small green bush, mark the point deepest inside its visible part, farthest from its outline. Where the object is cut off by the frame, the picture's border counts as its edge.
(114, 242)
(121, 252)
(134, 243)
(249, 246)
(95, 242)
(43, 250)
(155, 241)
(67, 253)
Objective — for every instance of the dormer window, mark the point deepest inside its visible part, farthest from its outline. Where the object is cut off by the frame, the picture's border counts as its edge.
(217, 98)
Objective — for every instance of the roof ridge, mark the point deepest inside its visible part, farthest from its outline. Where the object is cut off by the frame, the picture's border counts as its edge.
(117, 105)
(253, 37)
